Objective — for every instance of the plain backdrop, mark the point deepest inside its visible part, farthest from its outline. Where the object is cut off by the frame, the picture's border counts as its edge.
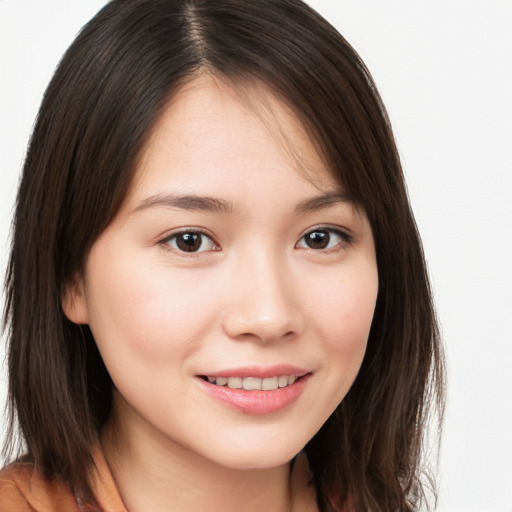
(444, 69)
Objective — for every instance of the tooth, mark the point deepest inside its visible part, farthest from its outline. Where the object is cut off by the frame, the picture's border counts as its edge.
(283, 381)
(270, 383)
(291, 379)
(211, 380)
(250, 383)
(235, 382)
(221, 381)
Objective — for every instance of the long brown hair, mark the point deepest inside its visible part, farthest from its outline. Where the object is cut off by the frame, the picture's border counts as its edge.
(97, 113)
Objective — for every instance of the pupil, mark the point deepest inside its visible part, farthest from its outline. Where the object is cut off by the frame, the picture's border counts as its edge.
(189, 242)
(318, 239)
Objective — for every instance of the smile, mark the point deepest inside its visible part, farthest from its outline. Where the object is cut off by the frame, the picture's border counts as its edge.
(254, 383)
(256, 395)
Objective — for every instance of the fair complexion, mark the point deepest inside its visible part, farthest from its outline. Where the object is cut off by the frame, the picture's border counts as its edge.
(236, 257)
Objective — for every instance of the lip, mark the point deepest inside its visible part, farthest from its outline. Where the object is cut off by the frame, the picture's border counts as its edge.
(261, 372)
(258, 402)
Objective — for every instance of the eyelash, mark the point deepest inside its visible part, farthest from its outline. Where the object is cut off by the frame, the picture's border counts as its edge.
(344, 239)
(167, 241)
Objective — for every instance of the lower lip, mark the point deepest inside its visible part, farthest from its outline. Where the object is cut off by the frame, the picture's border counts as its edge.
(256, 402)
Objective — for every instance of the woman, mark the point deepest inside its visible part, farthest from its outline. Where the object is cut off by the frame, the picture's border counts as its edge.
(224, 300)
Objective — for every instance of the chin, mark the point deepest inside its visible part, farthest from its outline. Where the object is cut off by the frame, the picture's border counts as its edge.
(258, 456)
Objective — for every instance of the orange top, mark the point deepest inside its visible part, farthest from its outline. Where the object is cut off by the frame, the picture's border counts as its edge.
(24, 489)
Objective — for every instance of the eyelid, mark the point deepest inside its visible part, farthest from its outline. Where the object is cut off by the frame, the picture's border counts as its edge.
(344, 234)
(170, 236)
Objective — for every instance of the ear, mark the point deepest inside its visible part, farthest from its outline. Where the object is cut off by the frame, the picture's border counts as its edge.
(74, 302)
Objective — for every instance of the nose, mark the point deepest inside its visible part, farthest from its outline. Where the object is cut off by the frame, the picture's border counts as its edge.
(262, 303)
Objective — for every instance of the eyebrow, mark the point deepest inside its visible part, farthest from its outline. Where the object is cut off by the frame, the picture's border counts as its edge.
(212, 204)
(323, 201)
(187, 202)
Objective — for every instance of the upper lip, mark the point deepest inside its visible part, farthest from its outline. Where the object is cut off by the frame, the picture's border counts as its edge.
(260, 372)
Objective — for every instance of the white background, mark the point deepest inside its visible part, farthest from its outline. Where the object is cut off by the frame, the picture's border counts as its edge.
(444, 69)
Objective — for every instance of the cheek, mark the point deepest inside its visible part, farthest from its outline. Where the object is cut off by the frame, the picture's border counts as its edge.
(149, 317)
(342, 319)
(344, 311)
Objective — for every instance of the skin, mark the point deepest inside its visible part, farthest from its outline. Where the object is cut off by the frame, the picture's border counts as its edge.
(255, 293)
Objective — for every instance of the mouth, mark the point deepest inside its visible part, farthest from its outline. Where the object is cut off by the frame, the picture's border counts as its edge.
(256, 390)
(253, 383)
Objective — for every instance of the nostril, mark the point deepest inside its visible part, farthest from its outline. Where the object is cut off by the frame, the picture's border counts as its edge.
(263, 321)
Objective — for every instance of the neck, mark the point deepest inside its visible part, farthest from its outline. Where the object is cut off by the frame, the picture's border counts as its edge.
(159, 475)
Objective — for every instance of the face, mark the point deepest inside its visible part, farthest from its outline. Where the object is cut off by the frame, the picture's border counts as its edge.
(231, 297)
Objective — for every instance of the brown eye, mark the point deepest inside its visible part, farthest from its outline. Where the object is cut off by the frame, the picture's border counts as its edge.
(323, 239)
(191, 241)
(317, 239)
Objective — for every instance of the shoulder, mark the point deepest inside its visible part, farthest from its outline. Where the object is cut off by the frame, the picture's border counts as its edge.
(24, 489)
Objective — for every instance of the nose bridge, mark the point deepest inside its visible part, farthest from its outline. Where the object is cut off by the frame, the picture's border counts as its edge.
(262, 304)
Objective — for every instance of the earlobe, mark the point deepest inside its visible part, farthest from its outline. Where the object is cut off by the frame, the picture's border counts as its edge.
(74, 302)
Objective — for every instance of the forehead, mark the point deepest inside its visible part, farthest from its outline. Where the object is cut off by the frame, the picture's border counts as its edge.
(213, 133)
